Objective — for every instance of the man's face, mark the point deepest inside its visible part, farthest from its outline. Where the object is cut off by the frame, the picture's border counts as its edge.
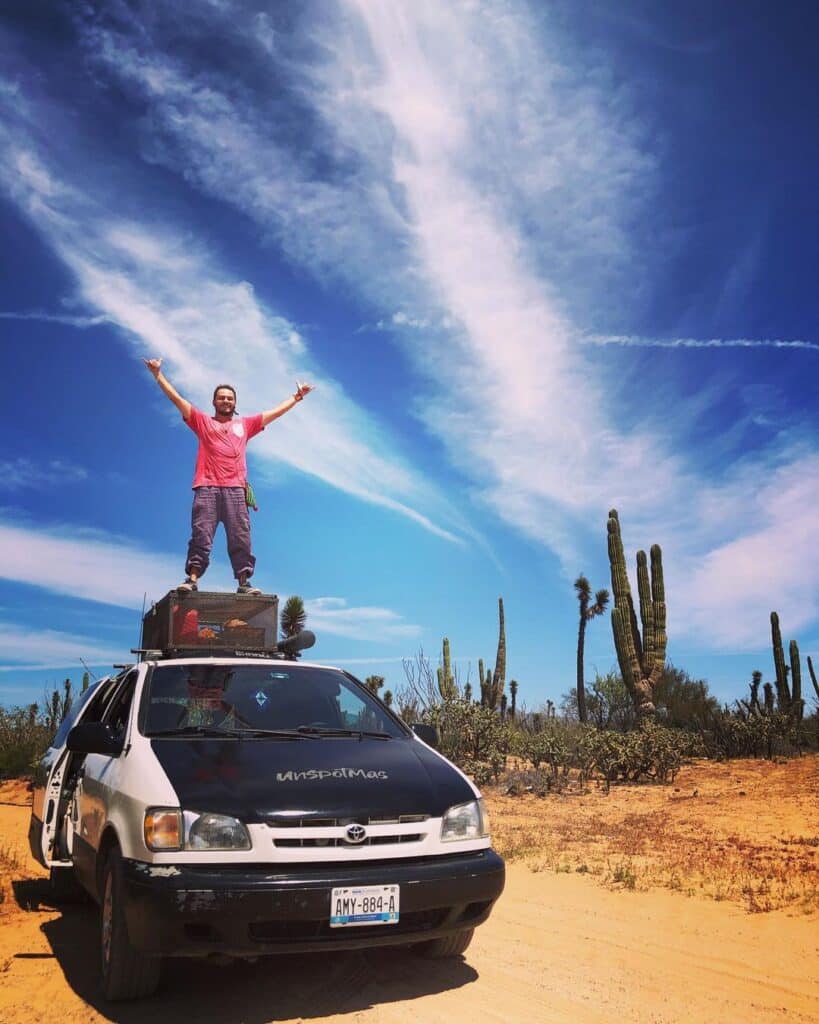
(224, 403)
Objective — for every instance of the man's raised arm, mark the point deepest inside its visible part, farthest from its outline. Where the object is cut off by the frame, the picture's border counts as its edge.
(287, 404)
(182, 404)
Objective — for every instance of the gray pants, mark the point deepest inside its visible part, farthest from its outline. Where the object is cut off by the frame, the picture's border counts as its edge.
(211, 506)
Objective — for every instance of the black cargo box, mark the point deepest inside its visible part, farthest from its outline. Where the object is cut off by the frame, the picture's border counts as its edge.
(210, 621)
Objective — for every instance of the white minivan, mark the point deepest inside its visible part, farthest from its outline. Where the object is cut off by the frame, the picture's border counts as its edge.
(244, 806)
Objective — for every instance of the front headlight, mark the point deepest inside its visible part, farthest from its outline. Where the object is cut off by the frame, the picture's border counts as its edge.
(465, 821)
(214, 832)
(168, 828)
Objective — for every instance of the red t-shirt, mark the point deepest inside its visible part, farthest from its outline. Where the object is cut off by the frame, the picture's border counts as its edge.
(220, 461)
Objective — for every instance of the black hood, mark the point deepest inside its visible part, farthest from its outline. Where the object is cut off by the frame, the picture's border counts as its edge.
(257, 779)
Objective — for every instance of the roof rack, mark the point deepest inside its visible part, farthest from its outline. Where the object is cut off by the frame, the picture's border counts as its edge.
(211, 622)
(284, 650)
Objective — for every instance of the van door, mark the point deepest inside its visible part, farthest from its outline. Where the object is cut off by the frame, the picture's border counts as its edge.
(60, 771)
(97, 782)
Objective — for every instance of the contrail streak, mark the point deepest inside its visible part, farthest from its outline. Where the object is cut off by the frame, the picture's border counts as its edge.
(634, 341)
(59, 318)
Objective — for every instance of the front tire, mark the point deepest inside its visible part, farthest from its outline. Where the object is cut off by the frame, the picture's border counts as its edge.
(446, 947)
(126, 972)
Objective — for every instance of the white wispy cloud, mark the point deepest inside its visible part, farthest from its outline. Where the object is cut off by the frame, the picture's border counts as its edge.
(401, 320)
(26, 649)
(334, 616)
(21, 473)
(725, 594)
(85, 564)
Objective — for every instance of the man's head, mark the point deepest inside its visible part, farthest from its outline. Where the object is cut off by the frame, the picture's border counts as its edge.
(224, 401)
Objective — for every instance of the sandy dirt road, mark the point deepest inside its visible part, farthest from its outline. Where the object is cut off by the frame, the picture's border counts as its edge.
(559, 948)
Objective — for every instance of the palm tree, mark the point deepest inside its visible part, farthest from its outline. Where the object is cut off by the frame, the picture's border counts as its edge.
(588, 611)
(293, 617)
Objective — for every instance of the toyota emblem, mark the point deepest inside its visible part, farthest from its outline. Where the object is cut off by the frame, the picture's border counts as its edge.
(355, 833)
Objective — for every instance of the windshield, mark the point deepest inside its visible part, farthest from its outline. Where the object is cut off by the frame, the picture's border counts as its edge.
(244, 698)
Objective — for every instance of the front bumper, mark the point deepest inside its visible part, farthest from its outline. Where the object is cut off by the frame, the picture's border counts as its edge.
(255, 910)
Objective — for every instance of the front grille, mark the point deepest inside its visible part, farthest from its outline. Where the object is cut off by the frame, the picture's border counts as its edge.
(325, 833)
(411, 837)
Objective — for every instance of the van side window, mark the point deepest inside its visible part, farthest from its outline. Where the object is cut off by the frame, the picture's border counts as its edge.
(100, 700)
(67, 723)
(116, 714)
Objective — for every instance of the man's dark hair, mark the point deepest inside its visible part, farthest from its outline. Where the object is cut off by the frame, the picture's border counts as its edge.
(224, 387)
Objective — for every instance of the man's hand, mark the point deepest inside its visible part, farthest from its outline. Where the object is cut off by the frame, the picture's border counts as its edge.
(287, 404)
(182, 404)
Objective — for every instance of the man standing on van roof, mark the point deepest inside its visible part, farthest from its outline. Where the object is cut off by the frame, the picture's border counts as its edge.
(220, 477)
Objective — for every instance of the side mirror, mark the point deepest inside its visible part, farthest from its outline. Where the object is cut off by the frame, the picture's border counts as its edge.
(94, 738)
(427, 733)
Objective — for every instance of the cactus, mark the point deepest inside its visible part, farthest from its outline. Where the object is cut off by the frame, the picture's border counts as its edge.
(783, 696)
(788, 698)
(813, 677)
(769, 698)
(641, 659)
(797, 704)
(499, 677)
(486, 689)
(513, 693)
(447, 686)
(503, 703)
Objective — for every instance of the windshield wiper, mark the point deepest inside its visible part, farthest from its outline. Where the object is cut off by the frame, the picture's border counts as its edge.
(190, 730)
(232, 734)
(315, 730)
(278, 734)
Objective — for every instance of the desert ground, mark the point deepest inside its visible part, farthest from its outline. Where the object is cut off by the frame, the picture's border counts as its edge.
(696, 901)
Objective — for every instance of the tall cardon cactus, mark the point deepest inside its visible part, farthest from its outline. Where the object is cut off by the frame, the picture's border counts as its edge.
(813, 678)
(788, 697)
(797, 704)
(447, 686)
(499, 675)
(783, 695)
(641, 658)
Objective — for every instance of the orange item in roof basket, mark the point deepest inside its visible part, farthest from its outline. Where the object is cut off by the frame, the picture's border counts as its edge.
(211, 621)
(185, 623)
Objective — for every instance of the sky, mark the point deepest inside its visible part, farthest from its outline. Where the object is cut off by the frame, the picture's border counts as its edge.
(540, 260)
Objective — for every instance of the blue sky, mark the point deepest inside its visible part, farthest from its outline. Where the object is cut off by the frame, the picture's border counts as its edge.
(540, 260)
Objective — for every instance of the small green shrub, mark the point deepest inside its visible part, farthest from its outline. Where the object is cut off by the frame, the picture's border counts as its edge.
(24, 735)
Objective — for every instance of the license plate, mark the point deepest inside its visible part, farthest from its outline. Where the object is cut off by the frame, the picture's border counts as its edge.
(364, 904)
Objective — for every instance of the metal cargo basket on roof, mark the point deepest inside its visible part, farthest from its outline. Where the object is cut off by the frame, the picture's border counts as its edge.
(210, 621)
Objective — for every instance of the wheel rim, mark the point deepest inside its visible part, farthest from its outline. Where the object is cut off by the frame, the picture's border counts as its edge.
(107, 921)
